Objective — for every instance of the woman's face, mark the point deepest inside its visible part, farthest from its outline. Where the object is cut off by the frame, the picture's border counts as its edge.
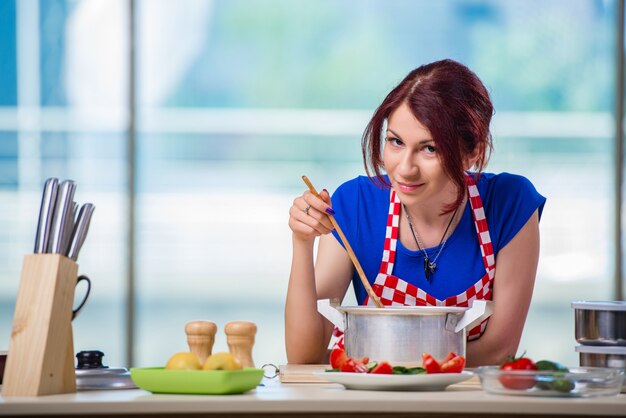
(412, 163)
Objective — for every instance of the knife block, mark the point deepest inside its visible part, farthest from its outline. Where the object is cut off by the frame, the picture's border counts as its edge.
(41, 350)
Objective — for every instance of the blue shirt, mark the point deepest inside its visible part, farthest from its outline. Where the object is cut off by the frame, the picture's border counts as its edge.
(362, 207)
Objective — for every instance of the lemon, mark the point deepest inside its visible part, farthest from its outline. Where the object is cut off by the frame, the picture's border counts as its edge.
(183, 361)
(221, 361)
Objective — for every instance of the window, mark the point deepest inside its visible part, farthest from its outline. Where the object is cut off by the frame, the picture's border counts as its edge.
(236, 100)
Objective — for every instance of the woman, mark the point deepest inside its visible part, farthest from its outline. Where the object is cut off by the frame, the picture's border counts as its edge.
(427, 222)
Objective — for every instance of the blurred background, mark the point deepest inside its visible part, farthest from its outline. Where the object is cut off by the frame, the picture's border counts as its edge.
(189, 123)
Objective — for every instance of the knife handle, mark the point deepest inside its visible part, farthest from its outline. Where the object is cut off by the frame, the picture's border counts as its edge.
(79, 233)
(46, 213)
(68, 228)
(62, 214)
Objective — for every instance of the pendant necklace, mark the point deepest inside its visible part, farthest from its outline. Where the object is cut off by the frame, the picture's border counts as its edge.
(429, 266)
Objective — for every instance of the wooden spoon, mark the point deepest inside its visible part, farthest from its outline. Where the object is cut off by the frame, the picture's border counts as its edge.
(355, 261)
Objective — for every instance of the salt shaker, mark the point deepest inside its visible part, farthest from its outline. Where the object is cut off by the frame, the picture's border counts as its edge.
(200, 337)
(240, 339)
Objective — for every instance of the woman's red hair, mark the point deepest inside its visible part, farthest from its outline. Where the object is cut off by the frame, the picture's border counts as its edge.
(453, 104)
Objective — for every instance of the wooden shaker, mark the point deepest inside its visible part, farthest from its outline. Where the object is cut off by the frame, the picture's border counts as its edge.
(240, 339)
(200, 337)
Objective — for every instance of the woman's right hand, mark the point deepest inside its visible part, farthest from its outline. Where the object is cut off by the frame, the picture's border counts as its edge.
(308, 215)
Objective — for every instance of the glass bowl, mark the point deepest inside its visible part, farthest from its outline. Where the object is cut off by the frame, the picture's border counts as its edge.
(577, 382)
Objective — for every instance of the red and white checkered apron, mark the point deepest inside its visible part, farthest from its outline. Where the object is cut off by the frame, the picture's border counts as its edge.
(393, 291)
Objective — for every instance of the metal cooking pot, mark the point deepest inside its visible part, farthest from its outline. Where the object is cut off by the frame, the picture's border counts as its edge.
(603, 356)
(401, 334)
(600, 323)
(597, 356)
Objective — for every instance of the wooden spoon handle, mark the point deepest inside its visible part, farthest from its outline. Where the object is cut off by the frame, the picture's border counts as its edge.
(355, 261)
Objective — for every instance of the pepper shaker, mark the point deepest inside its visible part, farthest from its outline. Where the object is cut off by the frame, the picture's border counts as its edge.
(240, 339)
(200, 337)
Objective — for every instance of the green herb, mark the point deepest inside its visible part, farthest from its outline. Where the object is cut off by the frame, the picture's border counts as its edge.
(548, 365)
(406, 370)
(553, 381)
(400, 370)
(371, 365)
(563, 385)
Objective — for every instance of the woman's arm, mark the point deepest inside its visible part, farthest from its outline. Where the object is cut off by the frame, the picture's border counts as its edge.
(516, 267)
(306, 332)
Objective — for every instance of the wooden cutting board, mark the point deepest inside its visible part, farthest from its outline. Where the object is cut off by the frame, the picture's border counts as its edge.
(301, 373)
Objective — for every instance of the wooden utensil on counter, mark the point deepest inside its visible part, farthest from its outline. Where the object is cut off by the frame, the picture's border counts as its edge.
(200, 337)
(355, 261)
(240, 339)
(301, 373)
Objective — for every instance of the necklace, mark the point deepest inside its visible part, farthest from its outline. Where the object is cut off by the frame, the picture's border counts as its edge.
(429, 266)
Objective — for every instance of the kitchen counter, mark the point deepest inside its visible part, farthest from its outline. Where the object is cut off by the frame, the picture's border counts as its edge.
(312, 400)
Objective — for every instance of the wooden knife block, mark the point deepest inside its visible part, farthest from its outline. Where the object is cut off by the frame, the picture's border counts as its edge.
(41, 351)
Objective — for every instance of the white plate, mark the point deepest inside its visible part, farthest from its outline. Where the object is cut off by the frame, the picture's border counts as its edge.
(367, 381)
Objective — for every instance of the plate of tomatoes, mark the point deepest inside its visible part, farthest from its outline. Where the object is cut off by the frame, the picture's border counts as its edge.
(525, 377)
(364, 374)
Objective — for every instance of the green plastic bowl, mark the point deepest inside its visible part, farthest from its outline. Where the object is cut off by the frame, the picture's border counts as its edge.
(200, 382)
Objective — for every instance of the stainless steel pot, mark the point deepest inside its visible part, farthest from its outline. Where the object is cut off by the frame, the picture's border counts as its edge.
(603, 356)
(401, 334)
(600, 323)
(595, 356)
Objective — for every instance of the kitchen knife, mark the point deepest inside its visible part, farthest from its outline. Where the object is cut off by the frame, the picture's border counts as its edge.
(68, 228)
(62, 213)
(80, 231)
(46, 212)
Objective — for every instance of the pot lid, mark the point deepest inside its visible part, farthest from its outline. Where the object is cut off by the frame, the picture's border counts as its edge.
(91, 374)
(402, 310)
(611, 305)
(100, 379)
(601, 349)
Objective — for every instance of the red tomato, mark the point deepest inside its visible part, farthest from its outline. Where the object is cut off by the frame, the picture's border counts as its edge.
(337, 358)
(453, 365)
(382, 368)
(430, 364)
(510, 380)
(353, 366)
(449, 357)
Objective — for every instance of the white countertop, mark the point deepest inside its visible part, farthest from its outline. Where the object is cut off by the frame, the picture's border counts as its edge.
(295, 398)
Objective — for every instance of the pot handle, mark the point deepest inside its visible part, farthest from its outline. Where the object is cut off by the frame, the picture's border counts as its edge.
(480, 310)
(328, 311)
